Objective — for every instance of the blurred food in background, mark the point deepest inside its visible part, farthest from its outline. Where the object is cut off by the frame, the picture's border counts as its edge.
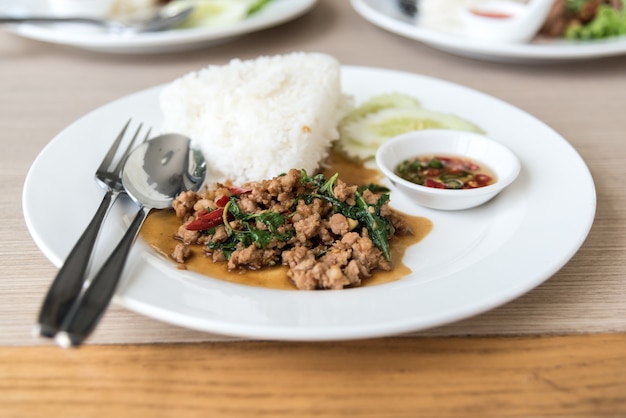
(586, 19)
(130, 7)
(207, 13)
(569, 19)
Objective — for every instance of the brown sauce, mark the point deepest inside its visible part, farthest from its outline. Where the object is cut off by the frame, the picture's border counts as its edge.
(160, 226)
(349, 171)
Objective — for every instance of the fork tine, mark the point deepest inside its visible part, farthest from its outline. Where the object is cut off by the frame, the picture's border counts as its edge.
(129, 147)
(108, 158)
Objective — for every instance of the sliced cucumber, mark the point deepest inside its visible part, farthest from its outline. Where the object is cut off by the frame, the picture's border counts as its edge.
(347, 143)
(212, 13)
(378, 103)
(364, 129)
(257, 5)
(384, 101)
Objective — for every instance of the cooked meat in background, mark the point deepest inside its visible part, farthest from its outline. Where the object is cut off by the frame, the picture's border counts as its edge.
(585, 19)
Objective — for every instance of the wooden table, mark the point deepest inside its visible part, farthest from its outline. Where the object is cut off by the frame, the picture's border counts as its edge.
(559, 350)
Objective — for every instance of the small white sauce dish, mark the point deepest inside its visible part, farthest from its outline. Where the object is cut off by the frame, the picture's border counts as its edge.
(480, 148)
(502, 21)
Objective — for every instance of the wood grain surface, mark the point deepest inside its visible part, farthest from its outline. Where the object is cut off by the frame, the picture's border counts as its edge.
(568, 376)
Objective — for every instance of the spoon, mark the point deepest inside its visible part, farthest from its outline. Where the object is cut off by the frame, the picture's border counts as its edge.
(161, 20)
(153, 175)
(502, 21)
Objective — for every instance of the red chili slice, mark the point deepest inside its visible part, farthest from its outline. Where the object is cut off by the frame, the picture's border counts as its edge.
(432, 172)
(206, 220)
(434, 184)
(491, 14)
(482, 179)
(239, 190)
(221, 202)
(470, 166)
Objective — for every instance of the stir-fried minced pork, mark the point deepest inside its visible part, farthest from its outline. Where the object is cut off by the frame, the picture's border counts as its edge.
(330, 234)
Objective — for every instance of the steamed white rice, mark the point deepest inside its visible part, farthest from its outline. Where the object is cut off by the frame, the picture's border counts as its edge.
(256, 119)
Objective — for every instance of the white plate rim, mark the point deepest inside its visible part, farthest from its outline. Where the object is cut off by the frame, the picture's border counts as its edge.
(275, 13)
(498, 267)
(547, 51)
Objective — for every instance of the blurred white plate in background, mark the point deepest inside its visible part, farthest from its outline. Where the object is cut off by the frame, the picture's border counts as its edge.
(387, 15)
(275, 13)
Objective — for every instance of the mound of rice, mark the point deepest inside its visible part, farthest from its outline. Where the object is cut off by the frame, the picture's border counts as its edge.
(256, 119)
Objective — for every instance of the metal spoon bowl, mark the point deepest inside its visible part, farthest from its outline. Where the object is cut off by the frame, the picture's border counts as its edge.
(153, 175)
(161, 20)
(158, 170)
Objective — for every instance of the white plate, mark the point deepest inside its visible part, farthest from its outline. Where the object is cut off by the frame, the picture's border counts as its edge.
(385, 14)
(471, 262)
(275, 13)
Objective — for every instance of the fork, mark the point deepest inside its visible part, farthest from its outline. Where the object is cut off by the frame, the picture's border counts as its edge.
(70, 279)
(161, 20)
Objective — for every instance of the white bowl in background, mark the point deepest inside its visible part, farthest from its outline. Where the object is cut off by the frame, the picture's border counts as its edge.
(480, 148)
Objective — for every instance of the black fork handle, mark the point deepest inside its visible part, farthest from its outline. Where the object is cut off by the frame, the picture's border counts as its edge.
(88, 309)
(70, 279)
